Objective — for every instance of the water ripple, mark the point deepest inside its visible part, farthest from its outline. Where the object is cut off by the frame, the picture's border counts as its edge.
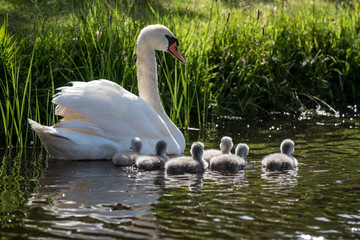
(82, 200)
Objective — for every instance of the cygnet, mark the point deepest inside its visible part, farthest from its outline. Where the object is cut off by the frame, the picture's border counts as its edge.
(226, 145)
(128, 157)
(184, 164)
(153, 162)
(228, 162)
(281, 161)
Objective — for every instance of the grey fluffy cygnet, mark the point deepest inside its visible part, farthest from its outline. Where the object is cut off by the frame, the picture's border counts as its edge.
(281, 161)
(184, 164)
(226, 145)
(128, 157)
(228, 162)
(154, 162)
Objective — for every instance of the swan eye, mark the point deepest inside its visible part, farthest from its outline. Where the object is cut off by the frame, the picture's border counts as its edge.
(172, 40)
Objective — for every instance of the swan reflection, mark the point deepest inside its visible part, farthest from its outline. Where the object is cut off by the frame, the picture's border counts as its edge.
(75, 194)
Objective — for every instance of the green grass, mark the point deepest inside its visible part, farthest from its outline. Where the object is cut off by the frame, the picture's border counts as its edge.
(242, 58)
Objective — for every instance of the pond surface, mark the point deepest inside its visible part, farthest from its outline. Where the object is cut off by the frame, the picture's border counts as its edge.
(43, 198)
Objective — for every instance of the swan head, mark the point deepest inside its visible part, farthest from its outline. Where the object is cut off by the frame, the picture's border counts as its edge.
(226, 144)
(242, 150)
(287, 147)
(159, 37)
(197, 150)
(136, 144)
(161, 148)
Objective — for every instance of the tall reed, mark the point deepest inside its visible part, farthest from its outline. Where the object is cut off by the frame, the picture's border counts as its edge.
(15, 92)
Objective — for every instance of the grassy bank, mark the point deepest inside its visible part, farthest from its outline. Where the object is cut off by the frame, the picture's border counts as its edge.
(242, 58)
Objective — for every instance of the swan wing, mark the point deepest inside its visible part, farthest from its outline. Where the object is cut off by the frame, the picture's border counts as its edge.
(105, 109)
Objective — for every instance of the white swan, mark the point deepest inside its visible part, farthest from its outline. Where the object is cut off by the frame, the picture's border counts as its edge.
(100, 117)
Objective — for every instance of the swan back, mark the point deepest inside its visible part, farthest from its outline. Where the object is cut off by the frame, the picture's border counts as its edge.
(278, 161)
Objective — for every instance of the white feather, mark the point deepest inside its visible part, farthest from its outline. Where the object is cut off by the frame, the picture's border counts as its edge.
(97, 117)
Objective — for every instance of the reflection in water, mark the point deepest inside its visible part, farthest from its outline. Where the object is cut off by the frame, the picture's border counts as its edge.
(17, 182)
(282, 178)
(95, 196)
(224, 178)
(192, 181)
(279, 185)
(94, 199)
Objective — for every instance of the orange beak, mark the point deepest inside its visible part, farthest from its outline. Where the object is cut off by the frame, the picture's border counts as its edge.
(173, 50)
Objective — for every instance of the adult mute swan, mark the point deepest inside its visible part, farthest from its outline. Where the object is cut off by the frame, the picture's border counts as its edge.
(281, 161)
(101, 118)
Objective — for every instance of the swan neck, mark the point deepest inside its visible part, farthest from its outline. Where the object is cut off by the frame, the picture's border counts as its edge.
(147, 78)
(148, 87)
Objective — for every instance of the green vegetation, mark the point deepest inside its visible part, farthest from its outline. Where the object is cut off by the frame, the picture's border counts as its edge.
(17, 183)
(242, 58)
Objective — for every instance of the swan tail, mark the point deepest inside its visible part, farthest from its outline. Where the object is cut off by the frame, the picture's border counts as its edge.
(43, 130)
(52, 141)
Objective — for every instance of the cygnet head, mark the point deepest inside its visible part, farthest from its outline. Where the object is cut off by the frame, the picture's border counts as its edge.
(242, 150)
(159, 37)
(197, 150)
(226, 144)
(136, 144)
(161, 148)
(287, 147)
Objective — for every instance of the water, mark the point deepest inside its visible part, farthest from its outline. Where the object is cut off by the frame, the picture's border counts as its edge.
(41, 198)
